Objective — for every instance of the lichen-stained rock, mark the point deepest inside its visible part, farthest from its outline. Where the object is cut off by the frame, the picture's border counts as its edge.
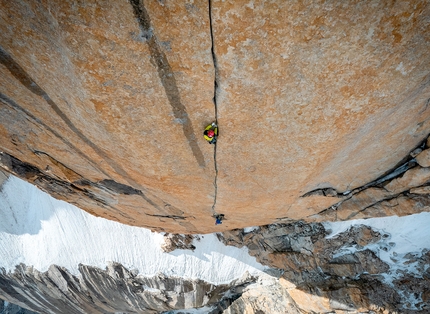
(115, 91)
(339, 90)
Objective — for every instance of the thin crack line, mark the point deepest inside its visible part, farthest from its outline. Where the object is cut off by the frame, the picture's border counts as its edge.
(214, 101)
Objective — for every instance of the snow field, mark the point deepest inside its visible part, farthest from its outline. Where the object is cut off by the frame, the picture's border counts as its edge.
(39, 231)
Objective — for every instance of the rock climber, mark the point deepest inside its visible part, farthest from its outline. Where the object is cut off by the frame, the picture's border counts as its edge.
(211, 133)
(218, 219)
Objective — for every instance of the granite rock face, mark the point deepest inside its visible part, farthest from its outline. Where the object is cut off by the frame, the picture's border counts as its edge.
(336, 89)
(103, 103)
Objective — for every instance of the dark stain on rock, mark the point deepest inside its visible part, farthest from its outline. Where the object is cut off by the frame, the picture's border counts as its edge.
(119, 187)
(168, 217)
(21, 75)
(21, 169)
(32, 173)
(167, 78)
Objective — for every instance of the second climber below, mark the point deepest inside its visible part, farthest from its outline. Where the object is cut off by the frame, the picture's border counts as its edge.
(211, 133)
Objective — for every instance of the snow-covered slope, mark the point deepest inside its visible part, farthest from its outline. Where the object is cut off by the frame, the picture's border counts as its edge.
(39, 231)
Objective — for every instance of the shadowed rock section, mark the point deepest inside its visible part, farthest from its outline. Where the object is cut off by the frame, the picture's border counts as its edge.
(167, 78)
(9, 308)
(104, 193)
(119, 187)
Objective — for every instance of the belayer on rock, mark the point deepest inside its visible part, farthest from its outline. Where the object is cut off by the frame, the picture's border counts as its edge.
(218, 219)
(211, 133)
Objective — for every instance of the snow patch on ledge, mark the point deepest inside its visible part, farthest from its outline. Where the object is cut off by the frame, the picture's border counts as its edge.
(250, 229)
(39, 231)
(401, 238)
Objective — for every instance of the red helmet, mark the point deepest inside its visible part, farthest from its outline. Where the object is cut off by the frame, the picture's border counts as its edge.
(211, 133)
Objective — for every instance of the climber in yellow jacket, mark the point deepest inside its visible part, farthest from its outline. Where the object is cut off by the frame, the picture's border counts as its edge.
(211, 133)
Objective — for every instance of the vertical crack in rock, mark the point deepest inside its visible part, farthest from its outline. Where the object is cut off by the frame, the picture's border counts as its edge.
(167, 77)
(22, 76)
(214, 100)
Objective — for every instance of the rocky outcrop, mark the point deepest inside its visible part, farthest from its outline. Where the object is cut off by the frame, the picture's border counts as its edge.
(402, 191)
(268, 295)
(103, 104)
(178, 241)
(113, 290)
(322, 274)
